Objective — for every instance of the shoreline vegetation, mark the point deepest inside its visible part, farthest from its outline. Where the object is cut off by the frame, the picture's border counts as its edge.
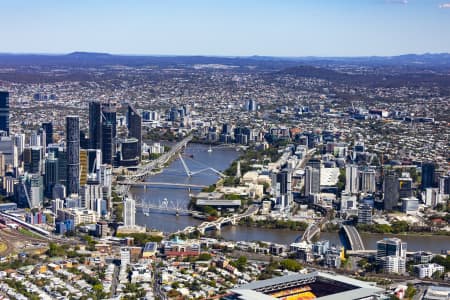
(274, 224)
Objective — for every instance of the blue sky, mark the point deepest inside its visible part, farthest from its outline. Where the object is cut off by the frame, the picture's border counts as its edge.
(226, 27)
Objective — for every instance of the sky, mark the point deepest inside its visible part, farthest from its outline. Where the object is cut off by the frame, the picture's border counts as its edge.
(226, 27)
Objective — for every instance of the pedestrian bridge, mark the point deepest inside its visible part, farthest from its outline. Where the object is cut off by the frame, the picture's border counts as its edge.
(162, 184)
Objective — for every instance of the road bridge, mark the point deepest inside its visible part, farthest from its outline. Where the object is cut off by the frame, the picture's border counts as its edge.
(312, 230)
(354, 239)
(145, 170)
(217, 224)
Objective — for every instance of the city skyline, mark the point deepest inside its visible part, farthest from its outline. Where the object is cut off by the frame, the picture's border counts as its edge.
(268, 28)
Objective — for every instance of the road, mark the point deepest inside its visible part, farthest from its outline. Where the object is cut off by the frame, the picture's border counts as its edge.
(354, 237)
(146, 169)
(114, 280)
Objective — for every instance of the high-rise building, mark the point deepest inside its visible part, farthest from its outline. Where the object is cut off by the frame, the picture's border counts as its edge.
(94, 161)
(9, 150)
(36, 190)
(444, 185)
(107, 143)
(95, 125)
(367, 181)
(73, 154)
(391, 254)
(348, 203)
(48, 128)
(84, 167)
(109, 114)
(391, 191)
(19, 142)
(405, 186)
(312, 181)
(226, 128)
(2, 167)
(391, 246)
(43, 141)
(35, 139)
(283, 189)
(89, 194)
(84, 140)
(312, 177)
(59, 191)
(364, 214)
(4, 111)
(106, 182)
(135, 127)
(129, 212)
(432, 197)
(51, 174)
(32, 159)
(128, 152)
(352, 179)
(61, 154)
(428, 175)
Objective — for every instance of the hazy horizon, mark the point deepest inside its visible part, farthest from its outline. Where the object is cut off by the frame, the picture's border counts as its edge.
(212, 55)
(320, 28)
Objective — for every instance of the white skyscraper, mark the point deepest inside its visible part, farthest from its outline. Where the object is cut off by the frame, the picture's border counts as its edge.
(89, 195)
(367, 178)
(352, 179)
(129, 212)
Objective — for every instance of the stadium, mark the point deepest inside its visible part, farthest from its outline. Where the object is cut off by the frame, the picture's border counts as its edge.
(315, 285)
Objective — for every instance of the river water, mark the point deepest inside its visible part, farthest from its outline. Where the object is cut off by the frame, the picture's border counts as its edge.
(220, 158)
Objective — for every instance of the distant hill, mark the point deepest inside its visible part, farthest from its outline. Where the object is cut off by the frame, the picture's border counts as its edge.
(266, 62)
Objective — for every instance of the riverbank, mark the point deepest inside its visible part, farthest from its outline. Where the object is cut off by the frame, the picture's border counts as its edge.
(274, 224)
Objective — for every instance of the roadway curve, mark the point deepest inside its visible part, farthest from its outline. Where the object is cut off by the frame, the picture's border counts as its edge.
(354, 238)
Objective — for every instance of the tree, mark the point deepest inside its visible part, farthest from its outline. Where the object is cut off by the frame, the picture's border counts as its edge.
(240, 263)
(410, 291)
(291, 265)
(437, 275)
(204, 256)
(400, 226)
(443, 261)
(55, 250)
(341, 180)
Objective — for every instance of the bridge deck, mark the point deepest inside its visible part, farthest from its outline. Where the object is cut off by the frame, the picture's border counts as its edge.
(356, 243)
